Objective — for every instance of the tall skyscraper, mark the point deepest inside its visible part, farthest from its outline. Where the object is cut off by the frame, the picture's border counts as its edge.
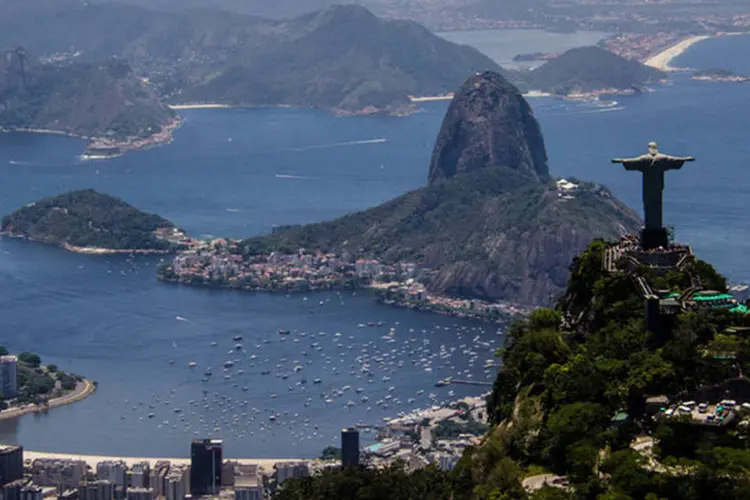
(8, 376)
(11, 464)
(349, 447)
(205, 467)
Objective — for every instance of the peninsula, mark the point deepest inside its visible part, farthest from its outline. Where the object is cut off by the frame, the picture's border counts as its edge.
(591, 71)
(28, 386)
(105, 103)
(90, 222)
(491, 225)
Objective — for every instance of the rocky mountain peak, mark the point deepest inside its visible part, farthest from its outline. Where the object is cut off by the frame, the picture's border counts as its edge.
(488, 124)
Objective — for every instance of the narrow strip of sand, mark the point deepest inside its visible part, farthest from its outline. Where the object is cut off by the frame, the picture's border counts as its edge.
(446, 97)
(92, 460)
(199, 106)
(663, 59)
(84, 389)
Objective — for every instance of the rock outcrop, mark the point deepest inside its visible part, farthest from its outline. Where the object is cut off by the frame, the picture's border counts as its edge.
(491, 224)
(488, 123)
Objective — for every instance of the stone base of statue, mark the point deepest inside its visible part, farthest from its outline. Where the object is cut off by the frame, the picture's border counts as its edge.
(654, 238)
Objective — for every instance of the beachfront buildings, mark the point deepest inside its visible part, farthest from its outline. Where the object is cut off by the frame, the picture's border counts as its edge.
(247, 482)
(11, 464)
(349, 447)
(177, 482)
(112, 470)
(8, 376)
(288, 470)
(58, 472)
(205, 466)
(139, 475)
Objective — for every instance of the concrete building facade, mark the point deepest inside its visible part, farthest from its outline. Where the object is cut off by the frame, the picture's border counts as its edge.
(350, 447)
(288, 470)
(205, 466)
(11, 463)
(140, 475)
(112, 470)
(61, 473)
(8, 376)
(140, 494)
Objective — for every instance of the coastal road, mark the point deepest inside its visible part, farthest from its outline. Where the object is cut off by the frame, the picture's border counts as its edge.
(83, 389)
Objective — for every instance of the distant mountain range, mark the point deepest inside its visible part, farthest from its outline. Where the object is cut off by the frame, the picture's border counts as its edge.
(341, 58)
(490, 222)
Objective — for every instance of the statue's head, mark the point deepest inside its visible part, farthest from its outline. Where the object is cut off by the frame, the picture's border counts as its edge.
(652, 148)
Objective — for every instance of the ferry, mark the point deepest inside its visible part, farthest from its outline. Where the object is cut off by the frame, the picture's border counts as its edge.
(444, 382)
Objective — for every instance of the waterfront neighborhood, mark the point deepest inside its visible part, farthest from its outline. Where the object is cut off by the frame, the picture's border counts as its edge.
(223, 263)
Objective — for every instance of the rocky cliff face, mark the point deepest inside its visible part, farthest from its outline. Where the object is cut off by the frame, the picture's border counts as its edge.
(488, 123)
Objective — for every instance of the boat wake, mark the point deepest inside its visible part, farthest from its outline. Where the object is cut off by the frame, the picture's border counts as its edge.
(600, 110)
(27, 163)
(290, 176)
(341, 144)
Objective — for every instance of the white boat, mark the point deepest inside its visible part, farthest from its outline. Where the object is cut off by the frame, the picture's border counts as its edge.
(192, 364)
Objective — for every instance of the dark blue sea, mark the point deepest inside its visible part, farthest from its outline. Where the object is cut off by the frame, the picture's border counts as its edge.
(239, 172)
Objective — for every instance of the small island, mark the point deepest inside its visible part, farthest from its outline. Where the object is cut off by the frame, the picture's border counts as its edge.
(87, 221)
(719, 75)
(28, 386)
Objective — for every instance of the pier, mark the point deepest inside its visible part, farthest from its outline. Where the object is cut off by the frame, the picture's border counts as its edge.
(471, 382)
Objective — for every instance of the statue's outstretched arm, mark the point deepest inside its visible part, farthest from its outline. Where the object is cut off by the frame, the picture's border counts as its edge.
(629, 163)
(676, 162)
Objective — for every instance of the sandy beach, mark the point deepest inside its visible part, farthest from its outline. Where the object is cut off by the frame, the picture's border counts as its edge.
(446, 97)
(91, 460)
(663, 59)
(83, 390)
(199, 106)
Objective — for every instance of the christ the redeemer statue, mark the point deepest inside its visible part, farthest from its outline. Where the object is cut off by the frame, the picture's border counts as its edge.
(653, 165)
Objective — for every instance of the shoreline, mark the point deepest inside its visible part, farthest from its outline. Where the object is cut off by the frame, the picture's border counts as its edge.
(165, 136)
(84, 389)
(662, 60)
(92, 460)
(86, 250)
(178, 107)
(119, 148)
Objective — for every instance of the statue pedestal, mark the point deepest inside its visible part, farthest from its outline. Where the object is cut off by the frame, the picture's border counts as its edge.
(654, 238)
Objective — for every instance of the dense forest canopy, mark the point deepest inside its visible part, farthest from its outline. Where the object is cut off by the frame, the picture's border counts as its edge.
(87, 218)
